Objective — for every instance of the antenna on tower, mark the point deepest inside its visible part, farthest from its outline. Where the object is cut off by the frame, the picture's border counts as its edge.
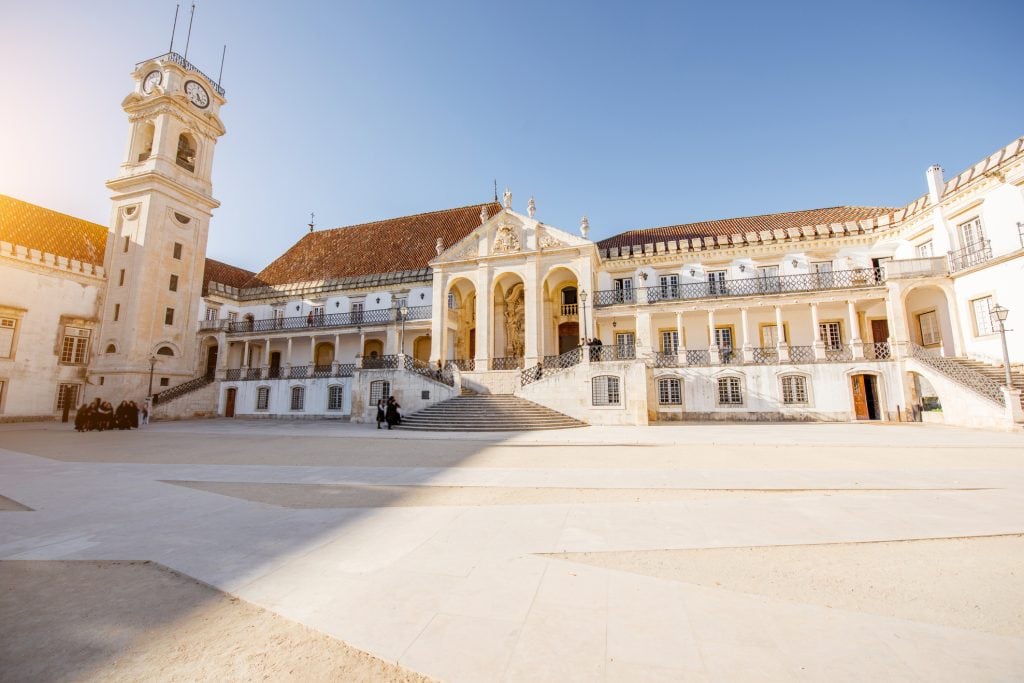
(220, 76)
(174, 26)
(312, 221)
(189, 37)
(495, 190)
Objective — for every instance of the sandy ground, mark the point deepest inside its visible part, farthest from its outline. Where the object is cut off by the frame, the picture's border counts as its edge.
(373, 496)
(139, 621)
(940, 581)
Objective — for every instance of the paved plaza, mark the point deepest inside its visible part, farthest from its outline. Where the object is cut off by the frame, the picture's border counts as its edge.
(839, 552)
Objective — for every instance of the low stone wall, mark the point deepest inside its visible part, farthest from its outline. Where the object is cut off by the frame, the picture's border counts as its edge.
(569, 392)
(492, 382)
(199, 403)
(961, 407)
(413, 391)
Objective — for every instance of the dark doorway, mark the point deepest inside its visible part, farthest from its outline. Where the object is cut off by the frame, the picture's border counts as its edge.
(865, 397)
(472, 343)
(275, 365)
(879, 330)
(211, 361)
(568, 337)
(229, 403)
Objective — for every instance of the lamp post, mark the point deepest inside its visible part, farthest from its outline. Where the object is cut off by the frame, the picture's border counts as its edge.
(1001, 313)
(152, 364)
(403, 311)
(583, 307)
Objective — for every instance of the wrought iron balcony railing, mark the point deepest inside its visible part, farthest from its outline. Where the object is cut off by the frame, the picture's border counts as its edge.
(423, 368)
(612, 352)
(754, 286)
(380, 316)
(507, 363)
(389, 362)
(551, 365)
(801, 354)
(187, 66)
(766, 355)
(877, 351)
(969, 256)
(961, 374)
(463, 364)
(700, 357)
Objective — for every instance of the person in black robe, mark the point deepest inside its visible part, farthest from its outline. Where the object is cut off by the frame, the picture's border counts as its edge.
(81, 417)
(133, 415)
(391, 413)
(381, 416)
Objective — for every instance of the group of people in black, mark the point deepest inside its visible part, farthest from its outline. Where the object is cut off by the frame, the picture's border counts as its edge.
(388, 411)
(100, 415)
(595, 347)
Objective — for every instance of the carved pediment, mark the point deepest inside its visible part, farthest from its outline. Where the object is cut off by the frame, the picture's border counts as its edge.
(507, 239)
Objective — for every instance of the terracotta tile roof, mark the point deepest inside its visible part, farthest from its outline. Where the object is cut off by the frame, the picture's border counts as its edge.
(733, 226)
(388, 246)
(232, 276)
(51, 232)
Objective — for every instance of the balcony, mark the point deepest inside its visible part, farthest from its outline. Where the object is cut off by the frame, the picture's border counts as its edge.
(382, 316)
(569, 310)
(916, 267)
(754, 286)
(295, 372)
(972, 255)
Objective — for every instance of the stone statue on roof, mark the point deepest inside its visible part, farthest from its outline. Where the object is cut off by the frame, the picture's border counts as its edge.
(439, 245)
(584, 226)
(483, 214)
(507, 199)
(531, 207)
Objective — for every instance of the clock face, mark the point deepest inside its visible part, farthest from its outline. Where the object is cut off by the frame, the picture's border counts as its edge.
(197, 94)
(153, 78)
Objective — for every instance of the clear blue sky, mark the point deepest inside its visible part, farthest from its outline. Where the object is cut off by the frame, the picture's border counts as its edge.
(637, 113)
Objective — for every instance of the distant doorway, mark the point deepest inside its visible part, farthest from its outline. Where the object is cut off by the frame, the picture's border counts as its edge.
(229, 402)
(865, 397)
(568, 335)
(211, 361)
(275, 365)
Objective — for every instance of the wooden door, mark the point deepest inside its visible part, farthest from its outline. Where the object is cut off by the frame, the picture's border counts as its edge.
(229, 403)
(211, 361)
(860, 398)
(568, 337)
(879, 330)
(275, 364)
(472, 343)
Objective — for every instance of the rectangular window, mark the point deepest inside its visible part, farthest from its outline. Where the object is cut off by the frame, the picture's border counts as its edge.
(7, 329)
(669, 393)
(670, 341)
(924, 250)
(832, 334)
(262, 398)
(983, 316)
(120, 279)
(768, 278)
(127, 241)
(318, 315)
(298, 398)
(823, 272)
(723, 338)
(623, 290)
(928, 323)
(173, 286)
(794, 390)
(357, 309)
(212, 313)
(971, 234)
(165, 381)
(117, 312)
(451, 301)
(625, 345)
(716, 282)
(401, 301)
(729, 393)
(334, 397)
(177, 250)
(605, 391)
(67, 393)
(74, 346)
(669, 286)
(379, 389)
(770, 336)
(169, 316)
(232, 316)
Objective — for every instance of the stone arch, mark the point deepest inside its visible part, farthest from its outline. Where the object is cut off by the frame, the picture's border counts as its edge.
(920, 300)
(323, 354)
(560, 323)
(142, 145)
(187, 152)
(879, 387)
(373, 348)
(209, 351)
(175, 350)
(459, 321)
(509, 314)
(421, 348)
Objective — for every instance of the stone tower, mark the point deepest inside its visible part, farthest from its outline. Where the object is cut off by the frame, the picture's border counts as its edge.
(156, 248)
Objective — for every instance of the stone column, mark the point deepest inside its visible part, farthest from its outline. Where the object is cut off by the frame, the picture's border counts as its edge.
(819, 344)
(781, 345)
(288, 357)
(712, 342)
(748, 349)
(266, 358)
(681, 350)
(534, 304)
(484, 292)
(438, 319)
(856, 344)
(644, 335)
(245, 354)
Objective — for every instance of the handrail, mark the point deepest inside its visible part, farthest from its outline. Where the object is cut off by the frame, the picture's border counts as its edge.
(424, 369)
(377, 316)
(187, 66)
(753, 286)
(181, 389)
(984, 386)
(551, 365)
(970, 255)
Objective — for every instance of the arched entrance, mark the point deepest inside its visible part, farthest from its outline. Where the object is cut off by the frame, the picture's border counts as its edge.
(866, 397)
(209, 357)
(928, 316)
(459, 325)
(324, 354)
(373, 348)
(561, 319)
(421, 348)
(509, 335)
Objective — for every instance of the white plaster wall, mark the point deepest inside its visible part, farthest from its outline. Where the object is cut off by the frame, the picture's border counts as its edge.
(569, 392)
(960, 406)
(406, 387)
(281, 398)
(492, 382)
(32, 375)
(1004, 282)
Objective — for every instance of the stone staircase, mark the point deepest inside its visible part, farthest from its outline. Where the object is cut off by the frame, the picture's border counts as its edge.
(487, 413)
(996, 373)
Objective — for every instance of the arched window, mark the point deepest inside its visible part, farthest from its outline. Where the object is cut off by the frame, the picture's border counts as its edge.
(111, 348)
(298, 398)
(605, 391)
(335, 394)
(670, 391)
(143, 147)
(262, 398)
(165, 351)
(186, 157)
(794, 389)
(379, 388)
(730, 391)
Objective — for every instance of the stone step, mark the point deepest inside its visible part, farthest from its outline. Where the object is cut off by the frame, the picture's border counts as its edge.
(487, 413)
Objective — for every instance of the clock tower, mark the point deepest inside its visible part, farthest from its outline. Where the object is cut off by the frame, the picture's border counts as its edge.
(156, 247)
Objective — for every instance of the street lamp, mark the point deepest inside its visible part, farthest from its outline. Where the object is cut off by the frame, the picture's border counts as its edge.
(1000, 314)
(404, 311)
(583, 306)
(152, 364)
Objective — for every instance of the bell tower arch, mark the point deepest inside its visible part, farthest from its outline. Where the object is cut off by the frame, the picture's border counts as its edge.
(162, 203)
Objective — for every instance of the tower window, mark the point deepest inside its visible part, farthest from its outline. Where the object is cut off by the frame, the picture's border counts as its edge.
(8, 326)
(117, 312)
(174, 283)
(127, 241)
(165, 351)
(111, 348)
(169, 316)
(120, 279)
(177, 250)
(74, 346)
(186, 157)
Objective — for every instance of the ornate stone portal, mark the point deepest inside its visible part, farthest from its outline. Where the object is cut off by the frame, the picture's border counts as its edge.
(515, 317)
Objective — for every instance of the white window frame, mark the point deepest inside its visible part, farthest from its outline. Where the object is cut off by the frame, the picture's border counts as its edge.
(972, 234)
(983, 323)
(379, 389)
(670, 391)
(672, 339)
(212, 313)
(717, 282)
(831, 333)
(794, 390)
(263, 398)
(298, 398)
(62, 395)
(606, 391)
(331, 405)
(729, 391)
(931, 334)
(669, 286)
(623, 287)
(924, 250)
(8, 336)
(74, 346)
